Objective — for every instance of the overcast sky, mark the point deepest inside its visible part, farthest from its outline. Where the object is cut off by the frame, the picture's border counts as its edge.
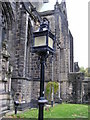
(77, 12)
(78, 23)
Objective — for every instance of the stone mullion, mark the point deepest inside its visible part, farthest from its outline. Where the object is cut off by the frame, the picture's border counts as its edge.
(1, 27)
(1, 84)
(62, 35)
(67, 54)
(25, 48)
(30, 65)
(67, 62)
(71, 53)
(62, 55)
(27, 61)
(59, 55)
(29, 45)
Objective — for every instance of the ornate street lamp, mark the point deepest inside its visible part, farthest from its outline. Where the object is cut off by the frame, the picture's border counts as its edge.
(43, 39)
(43, 45)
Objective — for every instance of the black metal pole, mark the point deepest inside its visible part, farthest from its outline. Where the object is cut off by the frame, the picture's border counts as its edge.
(41, 105)
(15, 109)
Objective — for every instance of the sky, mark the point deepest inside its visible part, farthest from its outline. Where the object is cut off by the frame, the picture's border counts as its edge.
(77, 13)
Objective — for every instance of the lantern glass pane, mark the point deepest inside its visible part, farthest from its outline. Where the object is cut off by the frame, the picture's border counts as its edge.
(50, 43)
(40, 41)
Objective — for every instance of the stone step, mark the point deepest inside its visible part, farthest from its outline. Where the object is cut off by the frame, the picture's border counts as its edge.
(7, 106)
(5, 110)
(3, 113)
(4, 107)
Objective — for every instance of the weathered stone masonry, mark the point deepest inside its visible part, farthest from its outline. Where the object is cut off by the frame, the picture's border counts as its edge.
(6, 18)
(63, 56)
(16, 31)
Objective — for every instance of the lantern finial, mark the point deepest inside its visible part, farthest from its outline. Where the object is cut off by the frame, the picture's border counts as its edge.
(44, 24)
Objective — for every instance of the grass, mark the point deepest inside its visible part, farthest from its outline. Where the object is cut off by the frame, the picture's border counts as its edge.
(68, 111)
(58, 111)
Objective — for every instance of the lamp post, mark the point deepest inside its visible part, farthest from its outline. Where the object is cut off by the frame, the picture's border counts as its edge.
(43, 45)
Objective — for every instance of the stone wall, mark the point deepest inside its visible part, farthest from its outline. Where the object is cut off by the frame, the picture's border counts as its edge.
(75, 87)
(63, 58)
(6, 102)
(22, 20)
(24, 64)
(86, 90)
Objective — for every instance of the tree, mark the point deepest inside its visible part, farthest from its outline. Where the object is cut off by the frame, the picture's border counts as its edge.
(87, 72)
(49, 89)
(82, 70)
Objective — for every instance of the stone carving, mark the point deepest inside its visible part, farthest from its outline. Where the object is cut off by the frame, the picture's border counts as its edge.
(6, 67)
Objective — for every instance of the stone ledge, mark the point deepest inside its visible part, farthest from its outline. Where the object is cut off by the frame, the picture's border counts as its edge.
(46, 13)
(23, 78)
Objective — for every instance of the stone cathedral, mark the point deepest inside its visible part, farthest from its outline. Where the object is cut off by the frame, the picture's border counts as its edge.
(20, 67)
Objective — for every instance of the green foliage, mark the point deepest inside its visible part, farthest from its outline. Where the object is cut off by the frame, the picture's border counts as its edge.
(49, 89)
(82, 70)
(85, 71)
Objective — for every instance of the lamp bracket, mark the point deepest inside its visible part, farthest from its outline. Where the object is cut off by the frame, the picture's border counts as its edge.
(44, 24)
